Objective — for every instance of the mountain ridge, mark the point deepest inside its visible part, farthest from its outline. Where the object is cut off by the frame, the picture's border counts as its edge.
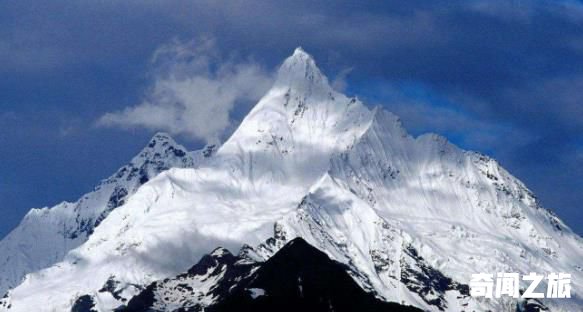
(310, 162)
(73, 222)
(297, 277)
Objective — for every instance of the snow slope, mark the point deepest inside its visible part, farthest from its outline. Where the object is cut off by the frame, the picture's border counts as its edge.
(45, 235)
(411, 217)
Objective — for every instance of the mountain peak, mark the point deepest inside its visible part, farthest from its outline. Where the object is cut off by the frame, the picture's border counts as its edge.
(160, 139)
(299, 71)
(299, 51)
(161, 146)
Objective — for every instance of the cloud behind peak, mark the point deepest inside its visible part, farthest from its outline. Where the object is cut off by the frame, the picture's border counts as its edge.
(193, 84)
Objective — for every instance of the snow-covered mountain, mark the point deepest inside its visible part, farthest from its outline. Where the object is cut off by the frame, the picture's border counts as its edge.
(411, 218)
(45, 235)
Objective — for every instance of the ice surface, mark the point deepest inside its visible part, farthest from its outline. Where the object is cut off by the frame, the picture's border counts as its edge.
(400, 211)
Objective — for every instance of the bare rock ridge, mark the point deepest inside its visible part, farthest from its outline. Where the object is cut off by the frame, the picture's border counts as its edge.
(298, 277)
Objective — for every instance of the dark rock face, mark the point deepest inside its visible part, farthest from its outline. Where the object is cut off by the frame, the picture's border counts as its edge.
(111, 286)
(218, 271)
(84, 303)
(298, 277)
(209, 150)
(531, 305)
(301, 278)
(427, 281)
(143, 301)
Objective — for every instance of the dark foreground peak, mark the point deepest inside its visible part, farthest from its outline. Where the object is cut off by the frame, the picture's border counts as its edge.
(299, 277)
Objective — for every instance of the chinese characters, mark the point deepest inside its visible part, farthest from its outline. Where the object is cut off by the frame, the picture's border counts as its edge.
(508, 284)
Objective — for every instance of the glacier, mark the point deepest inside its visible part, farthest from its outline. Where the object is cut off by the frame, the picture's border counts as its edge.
(307, 161)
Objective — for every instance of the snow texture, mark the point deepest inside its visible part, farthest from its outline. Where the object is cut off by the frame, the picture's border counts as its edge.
(45, 235)
(411, 217)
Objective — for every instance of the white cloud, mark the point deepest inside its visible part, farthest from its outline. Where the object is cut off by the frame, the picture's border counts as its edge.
(339, 83)
(193, 92)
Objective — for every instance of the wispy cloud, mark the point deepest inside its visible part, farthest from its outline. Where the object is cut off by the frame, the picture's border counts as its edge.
(193, 92)
(339, 83)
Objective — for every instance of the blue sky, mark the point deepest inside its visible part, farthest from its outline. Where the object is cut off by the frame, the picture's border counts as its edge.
(501, 77)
